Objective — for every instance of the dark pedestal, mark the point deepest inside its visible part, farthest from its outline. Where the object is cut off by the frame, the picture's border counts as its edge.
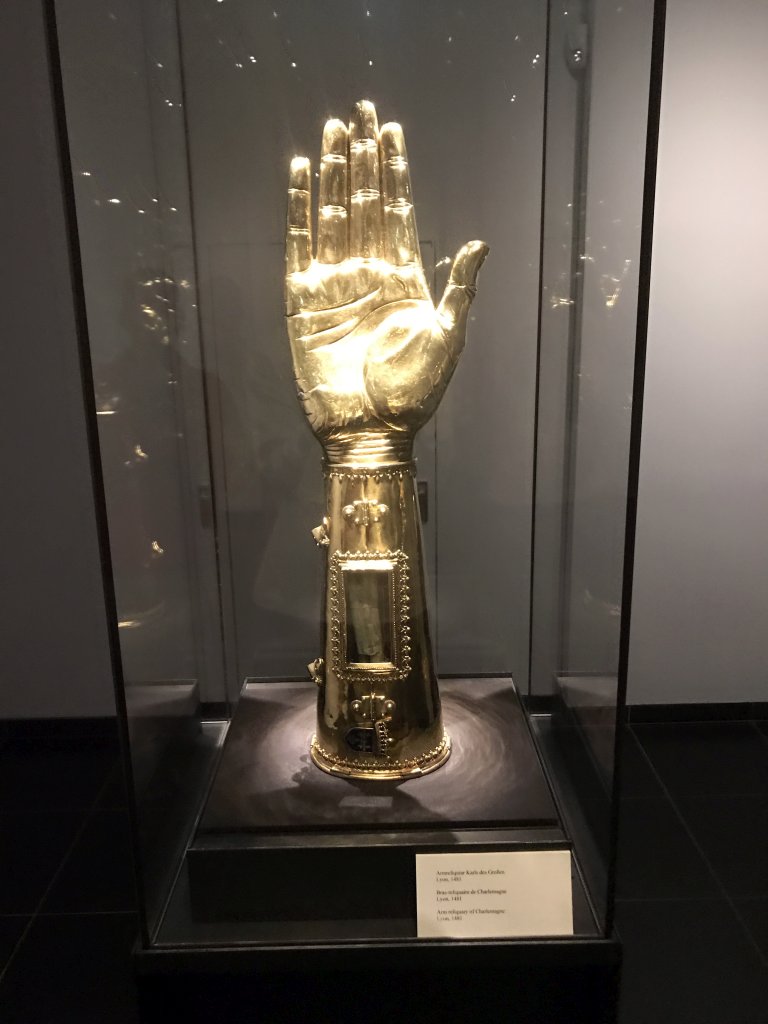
(279, 840)
(297, 901)
(266, 782)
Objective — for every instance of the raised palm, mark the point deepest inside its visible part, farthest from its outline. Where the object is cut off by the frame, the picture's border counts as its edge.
(371, 353)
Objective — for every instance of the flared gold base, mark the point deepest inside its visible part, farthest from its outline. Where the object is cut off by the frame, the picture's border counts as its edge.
(380, 768)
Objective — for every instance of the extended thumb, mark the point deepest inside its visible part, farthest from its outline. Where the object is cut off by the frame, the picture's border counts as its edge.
(460, 289)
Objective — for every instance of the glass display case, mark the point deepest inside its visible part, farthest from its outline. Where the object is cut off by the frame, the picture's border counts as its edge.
(310, 820)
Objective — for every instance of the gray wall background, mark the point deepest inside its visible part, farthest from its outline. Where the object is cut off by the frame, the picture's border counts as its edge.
(702, 561)
(596, 113)
(53, 648)
(701, 569)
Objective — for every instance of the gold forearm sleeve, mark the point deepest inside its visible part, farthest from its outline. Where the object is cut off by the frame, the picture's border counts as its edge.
(378, 703)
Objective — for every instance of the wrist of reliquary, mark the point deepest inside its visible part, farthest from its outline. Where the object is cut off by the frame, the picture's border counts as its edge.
(370, 452)
(370, 494)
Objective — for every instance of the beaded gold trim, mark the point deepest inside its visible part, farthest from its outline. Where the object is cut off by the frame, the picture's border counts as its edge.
(401, 599)
(374, 473)
(383, 765)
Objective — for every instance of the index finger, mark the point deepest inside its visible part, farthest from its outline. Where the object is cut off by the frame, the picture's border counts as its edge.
(401, 239)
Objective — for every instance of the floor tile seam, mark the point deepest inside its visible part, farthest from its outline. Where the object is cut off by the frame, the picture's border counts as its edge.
(719, 795)
(671, 899)
(677, 722)
(35, 912)
(85, 808)
(48, 812)
(745, 925)
(750, 727)
(718, 881)
(48, 742)
(87, 913)
(75, 756)
(57, 873)
(763, 735)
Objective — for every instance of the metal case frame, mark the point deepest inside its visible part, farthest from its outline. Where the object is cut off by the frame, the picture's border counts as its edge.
(539, 977)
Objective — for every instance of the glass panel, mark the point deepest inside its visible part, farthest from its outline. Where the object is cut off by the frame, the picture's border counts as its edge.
(126, 133)
(468, 84)
(599, 62)
(369, 634)
(189, 114)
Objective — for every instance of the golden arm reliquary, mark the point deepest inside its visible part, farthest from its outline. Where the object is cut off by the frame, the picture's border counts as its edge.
(372, 357)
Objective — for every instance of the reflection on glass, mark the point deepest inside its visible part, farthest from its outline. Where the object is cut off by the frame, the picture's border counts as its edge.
(134, 228)
(369, 615)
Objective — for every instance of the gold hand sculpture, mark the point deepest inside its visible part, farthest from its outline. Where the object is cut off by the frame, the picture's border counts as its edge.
(372, 358)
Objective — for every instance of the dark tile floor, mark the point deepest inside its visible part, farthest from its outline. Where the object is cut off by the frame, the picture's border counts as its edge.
(692, 894)
(692, 907)
(67, 904)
